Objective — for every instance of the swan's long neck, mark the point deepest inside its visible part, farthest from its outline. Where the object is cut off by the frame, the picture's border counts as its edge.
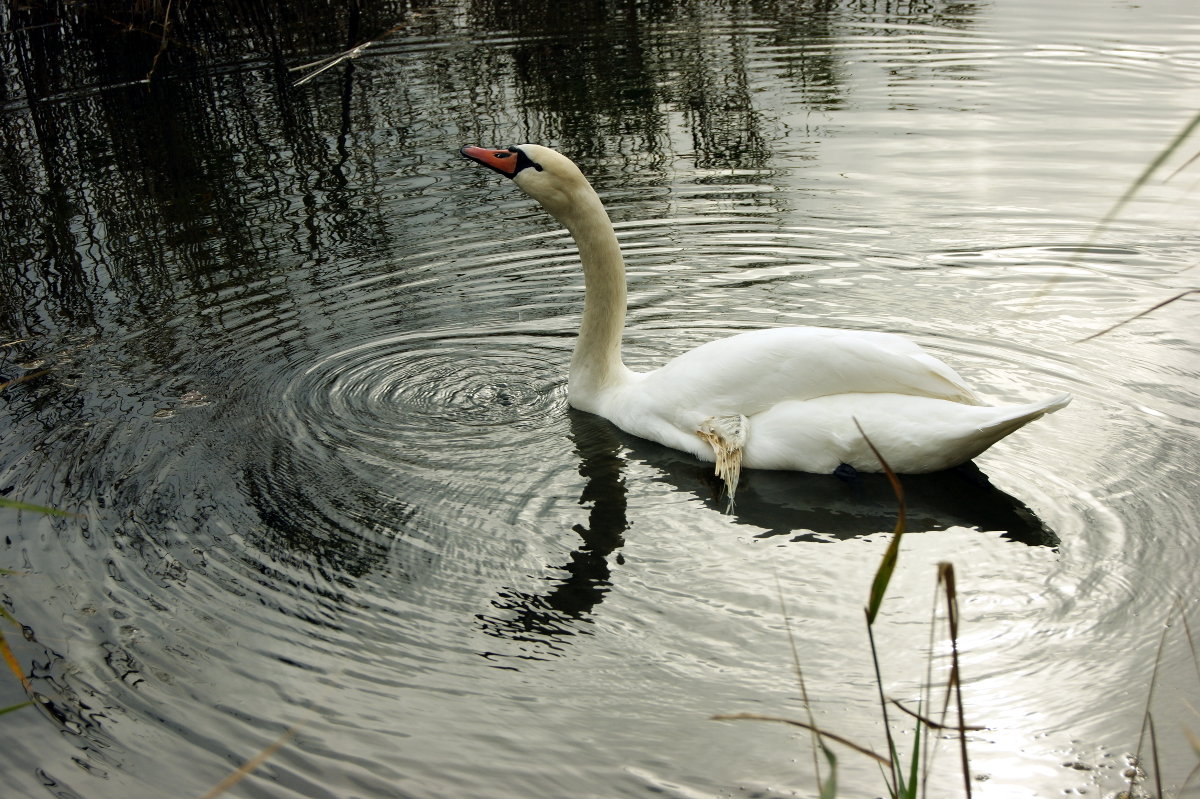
(596, 363)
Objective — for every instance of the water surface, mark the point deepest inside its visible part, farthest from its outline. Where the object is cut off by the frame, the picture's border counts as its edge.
(299, 371)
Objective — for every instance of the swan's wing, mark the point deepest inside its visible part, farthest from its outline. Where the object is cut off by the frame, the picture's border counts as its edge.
(751, 372)
(914, 434)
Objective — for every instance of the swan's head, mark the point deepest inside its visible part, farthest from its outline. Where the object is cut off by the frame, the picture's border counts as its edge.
(544, 174)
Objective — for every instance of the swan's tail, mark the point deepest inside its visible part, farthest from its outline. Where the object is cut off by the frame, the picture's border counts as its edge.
(1018, 416)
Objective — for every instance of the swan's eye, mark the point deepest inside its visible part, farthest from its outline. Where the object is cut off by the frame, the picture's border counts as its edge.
(524, 160)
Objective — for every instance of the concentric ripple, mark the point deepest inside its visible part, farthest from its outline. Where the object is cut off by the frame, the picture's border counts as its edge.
(424, 392)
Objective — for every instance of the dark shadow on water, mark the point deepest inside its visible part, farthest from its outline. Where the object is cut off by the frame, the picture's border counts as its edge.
(806, 507)
(819, 507)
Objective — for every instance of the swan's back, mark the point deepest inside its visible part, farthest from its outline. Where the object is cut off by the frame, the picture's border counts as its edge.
(752, 372)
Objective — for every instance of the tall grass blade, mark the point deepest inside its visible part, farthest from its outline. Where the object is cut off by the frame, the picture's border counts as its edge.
(893, 758)
(11, 708)
(1192, 738)
(1154, 759)
(1187, 629)
(817, 742)
(887, 566)
(883, 576)
(332, 61)
(934, 725)
(1125, 199)
(829, 787)
(4, 614)
(910, 787)
(1147, 721)
(1195, 742)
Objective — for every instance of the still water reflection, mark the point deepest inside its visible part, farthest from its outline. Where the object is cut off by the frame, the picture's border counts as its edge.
(299, 371)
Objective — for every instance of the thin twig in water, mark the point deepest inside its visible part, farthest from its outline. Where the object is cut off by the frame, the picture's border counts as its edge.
(934, 724)
(23, 378)
(250, 765)
(332, 61)
(162, 44)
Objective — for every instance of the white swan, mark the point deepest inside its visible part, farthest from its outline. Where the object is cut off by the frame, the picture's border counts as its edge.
(781, 398)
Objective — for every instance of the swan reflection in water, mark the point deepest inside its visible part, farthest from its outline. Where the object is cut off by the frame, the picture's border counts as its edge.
(806, 507)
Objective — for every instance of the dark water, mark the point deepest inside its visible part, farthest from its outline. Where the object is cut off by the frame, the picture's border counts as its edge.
(300, 372)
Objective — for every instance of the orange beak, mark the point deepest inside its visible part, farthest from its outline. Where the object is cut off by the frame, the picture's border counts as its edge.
(503, 161)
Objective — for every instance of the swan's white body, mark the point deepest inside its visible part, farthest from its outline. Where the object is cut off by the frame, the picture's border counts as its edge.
(782, 398)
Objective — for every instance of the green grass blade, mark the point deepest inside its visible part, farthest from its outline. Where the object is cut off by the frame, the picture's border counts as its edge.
(908, 788)
(11, 708)
(829, 787)
(12, 503)
(883, 575)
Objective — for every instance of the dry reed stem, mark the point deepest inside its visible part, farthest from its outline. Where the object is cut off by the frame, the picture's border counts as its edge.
(250, 765)
(804, 725)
